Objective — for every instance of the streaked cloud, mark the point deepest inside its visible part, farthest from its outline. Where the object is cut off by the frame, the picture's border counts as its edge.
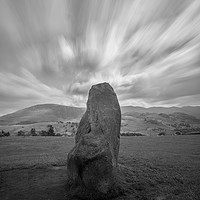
(53, 51)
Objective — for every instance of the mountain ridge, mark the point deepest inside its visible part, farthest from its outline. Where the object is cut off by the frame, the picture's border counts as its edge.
(42, 113)
(56, 112)
(191, 110)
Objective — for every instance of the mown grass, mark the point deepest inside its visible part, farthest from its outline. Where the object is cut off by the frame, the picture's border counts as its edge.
(26, 152)
(154, 168)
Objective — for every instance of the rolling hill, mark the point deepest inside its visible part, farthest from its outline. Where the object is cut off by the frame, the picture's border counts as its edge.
(154, 123)
(190, 110)
(134, 115)
(42, 113)
(147, 121)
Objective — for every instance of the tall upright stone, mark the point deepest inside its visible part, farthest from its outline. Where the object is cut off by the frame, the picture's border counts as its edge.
(92, 163)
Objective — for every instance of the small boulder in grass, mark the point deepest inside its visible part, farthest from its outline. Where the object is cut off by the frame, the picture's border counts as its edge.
(92, 163)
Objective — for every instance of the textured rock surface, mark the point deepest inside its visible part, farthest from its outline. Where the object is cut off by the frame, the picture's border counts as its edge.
(92, 163)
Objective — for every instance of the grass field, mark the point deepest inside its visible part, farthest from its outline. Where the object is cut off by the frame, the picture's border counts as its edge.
(158, 168)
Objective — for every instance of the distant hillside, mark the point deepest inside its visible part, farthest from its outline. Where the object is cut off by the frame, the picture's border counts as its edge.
(190, 110)
(54, 113)
(43, 113)
(154, 123)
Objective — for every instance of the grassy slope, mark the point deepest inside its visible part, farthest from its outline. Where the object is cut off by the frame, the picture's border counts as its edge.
(146, 123)
(55, 112)
(42, 113)
(157, 167)
(190, 110)
(58, 127)
(153, 123)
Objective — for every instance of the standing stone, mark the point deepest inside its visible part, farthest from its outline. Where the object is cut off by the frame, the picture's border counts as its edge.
(92, 163)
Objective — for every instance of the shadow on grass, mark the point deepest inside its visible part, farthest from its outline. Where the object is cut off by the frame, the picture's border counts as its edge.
(138, 179)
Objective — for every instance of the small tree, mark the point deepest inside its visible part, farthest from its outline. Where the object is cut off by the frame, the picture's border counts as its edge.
(1, 134)
(51, 130)
(4, 134)
(43, 133)
(20, 133)
(33, 133)
(162, 134)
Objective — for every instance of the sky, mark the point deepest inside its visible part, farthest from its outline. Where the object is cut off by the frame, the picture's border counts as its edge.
(53, 51)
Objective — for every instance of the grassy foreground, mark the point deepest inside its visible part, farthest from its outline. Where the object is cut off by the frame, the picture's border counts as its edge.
(158, 168)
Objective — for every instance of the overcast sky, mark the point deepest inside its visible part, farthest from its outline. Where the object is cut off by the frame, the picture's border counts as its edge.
(52, 51)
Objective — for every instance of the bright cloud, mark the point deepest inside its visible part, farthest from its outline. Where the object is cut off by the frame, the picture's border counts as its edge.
(52, 52)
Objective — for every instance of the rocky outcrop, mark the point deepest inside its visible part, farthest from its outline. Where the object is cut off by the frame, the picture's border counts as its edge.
(92, 163)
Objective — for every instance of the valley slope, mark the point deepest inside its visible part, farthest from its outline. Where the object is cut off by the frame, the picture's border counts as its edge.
(147, 121)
